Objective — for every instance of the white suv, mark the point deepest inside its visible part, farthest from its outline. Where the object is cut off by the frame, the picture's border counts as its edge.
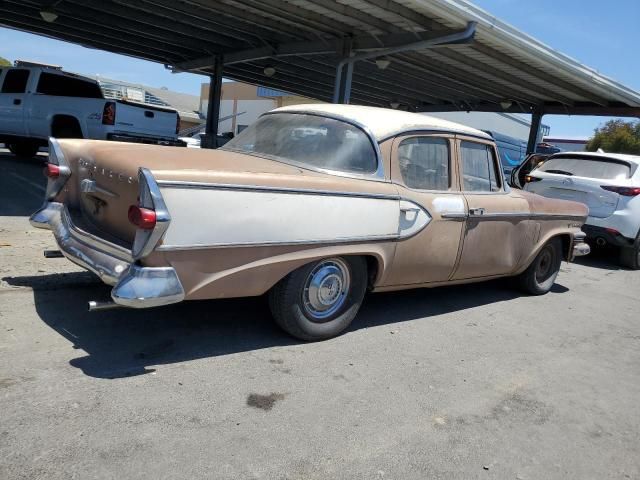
(609, 184)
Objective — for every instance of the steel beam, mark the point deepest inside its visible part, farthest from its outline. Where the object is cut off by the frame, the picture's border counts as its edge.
(463, 36)
(548, 109)
(213, 106)
(333, 46)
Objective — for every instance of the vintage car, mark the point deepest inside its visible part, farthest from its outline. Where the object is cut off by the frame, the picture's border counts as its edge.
(314, 205)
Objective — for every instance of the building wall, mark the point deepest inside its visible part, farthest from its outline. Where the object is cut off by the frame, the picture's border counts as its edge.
(568, 144)
(242, 97)
(252, 110)
(507, 124)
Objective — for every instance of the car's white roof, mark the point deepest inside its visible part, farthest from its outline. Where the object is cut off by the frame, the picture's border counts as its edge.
(616, 156)
(384, 122)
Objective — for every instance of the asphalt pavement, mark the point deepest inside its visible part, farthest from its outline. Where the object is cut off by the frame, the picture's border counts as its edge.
(464, 382)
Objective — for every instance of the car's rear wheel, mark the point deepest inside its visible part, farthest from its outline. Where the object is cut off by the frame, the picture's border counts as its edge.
(540, 276)
(24, 149)
(630, 256)
(320, 300)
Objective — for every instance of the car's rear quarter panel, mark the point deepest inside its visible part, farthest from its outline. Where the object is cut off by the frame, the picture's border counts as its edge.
(552, 218)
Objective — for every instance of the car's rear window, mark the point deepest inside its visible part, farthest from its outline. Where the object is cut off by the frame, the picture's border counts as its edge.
(308, 140)
(67, 86)
(587, 167)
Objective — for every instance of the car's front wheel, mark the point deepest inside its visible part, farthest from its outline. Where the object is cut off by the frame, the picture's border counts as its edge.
(541, 274)
(319, 300)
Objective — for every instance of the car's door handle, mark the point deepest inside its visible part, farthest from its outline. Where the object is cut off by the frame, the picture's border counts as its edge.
(476, 211)
(17, 101)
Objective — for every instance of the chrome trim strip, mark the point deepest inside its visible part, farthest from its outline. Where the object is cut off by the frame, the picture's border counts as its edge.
(145, 241)
(90, 186)
(81, 249)
(145, 287)
(134, 285)
(377, 175)
(529, 216)
(44, 217)
(56, 157)
(414, 131)
(372, 238)
(581, 249)
(260, 188)
(454, 216)
(558, 216)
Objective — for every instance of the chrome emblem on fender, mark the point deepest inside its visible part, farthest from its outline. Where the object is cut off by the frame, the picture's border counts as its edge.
(92, 168)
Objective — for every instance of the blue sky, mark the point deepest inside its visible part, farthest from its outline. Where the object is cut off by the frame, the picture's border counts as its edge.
(603, 35)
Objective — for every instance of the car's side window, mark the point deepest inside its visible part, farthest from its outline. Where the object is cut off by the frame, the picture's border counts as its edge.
(15, 81)
(478, 168)
(424, 163)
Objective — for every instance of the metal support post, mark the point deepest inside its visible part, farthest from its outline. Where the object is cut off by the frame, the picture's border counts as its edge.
(536, 121)
(213, 106)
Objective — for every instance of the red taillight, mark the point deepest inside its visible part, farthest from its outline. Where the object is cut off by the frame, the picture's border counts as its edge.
(177, 123)
(109, 113)
(51, 171)
(143, 218)
(624, 191)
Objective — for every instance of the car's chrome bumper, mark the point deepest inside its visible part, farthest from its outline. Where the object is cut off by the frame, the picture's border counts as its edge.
(580, 248)
(133, 285)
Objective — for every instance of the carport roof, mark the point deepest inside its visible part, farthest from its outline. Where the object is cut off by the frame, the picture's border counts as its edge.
(502, 69)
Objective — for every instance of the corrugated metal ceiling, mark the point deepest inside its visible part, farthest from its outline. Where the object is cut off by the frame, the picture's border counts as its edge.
(500, 65)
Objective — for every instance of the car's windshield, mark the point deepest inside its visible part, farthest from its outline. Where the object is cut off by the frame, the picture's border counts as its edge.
(309, 140)
(587, 167)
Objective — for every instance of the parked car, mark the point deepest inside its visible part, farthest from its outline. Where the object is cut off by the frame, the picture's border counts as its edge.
(519, 174)
(39, 101)
(373, 199)
(510, 149)
(609, 184)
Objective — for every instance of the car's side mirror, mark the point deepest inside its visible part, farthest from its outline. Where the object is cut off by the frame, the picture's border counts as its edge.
(513, 179)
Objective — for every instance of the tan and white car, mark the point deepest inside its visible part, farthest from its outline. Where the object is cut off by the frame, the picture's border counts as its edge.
(314, 204)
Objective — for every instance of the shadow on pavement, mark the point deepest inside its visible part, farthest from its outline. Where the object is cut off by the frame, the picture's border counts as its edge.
(22, 184)
(125, 342)
(602, 258)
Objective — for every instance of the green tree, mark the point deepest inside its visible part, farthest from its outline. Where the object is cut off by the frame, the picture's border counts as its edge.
(4, 62)
(616, 136)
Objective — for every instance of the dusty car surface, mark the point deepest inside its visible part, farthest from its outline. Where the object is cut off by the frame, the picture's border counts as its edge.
(314, 205)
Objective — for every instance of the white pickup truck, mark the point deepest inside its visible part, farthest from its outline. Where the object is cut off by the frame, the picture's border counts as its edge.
(39, 101)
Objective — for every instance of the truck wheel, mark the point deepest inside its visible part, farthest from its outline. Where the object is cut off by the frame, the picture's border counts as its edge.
(630, 256)
(23, 149)
(319, 300)
(541, 274)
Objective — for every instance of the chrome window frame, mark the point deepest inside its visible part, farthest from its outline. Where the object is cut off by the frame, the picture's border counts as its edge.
(451, 147)
(504, 187)
(377, 175)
